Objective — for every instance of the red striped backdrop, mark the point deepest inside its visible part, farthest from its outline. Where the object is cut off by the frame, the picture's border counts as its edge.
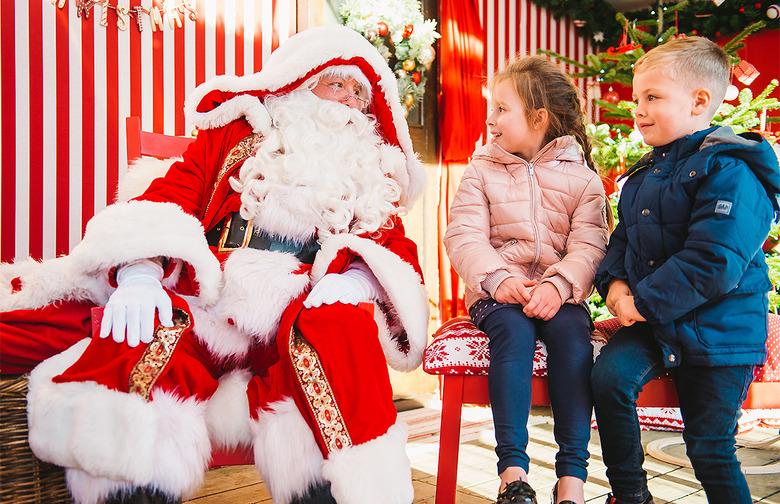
(66, 85)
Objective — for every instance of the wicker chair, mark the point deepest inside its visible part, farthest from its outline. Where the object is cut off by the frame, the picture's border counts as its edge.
(23, 478)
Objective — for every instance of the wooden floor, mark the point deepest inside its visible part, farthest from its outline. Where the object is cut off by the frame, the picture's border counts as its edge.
(477, 479)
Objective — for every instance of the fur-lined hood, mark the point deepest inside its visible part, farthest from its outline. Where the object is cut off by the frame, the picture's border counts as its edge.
(224, 99)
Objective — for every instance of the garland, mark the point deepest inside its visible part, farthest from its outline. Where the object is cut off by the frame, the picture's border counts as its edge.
(401, 35)
(171, 10)
(596, 19)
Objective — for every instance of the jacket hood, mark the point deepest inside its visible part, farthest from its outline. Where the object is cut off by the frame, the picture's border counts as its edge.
(226, 98)
(750, 147)
(563, 148)
(754, 150)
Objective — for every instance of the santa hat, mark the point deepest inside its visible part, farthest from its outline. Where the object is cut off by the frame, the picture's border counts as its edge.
(226, 98)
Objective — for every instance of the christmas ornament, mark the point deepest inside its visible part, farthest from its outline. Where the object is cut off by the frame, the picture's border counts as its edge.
(624, 46)
(746, 73)
(427, 56)
(400, 33)
(171, 10)
(731, 93)
(773, 11)
(409, 100)
(611, 97)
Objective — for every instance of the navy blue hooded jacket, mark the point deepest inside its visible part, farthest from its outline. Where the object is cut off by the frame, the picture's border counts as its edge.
(693, 216)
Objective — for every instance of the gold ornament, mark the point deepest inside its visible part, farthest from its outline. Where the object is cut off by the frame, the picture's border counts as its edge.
(409, 65)
(409, 100)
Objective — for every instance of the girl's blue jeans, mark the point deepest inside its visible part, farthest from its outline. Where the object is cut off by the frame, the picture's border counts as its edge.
(710, 402)
(512, 337)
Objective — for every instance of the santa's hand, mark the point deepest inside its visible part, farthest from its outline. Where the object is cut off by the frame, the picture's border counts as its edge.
(132, 306)
(351, 287)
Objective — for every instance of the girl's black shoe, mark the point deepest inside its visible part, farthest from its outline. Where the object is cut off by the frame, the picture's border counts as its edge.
(517, 492)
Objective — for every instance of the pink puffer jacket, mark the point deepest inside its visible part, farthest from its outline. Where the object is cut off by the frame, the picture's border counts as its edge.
(544, 220)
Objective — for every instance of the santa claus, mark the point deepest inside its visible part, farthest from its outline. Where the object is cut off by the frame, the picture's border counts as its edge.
(254, 295)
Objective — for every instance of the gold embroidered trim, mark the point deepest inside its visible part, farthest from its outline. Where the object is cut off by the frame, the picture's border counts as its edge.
(319, 395)
(242, 150)
(157, 354)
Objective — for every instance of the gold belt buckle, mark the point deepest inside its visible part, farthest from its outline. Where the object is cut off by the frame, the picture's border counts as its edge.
(226, 232)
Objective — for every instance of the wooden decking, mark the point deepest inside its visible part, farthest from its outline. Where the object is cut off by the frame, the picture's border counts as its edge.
(477, 481)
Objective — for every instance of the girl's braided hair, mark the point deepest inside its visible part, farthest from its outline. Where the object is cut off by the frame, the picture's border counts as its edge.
(542, 85)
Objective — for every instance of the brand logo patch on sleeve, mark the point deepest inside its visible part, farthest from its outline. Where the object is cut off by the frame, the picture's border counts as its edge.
(723, 207)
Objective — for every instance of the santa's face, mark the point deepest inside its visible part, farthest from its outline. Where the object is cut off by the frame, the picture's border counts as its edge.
(343, 90)
(321, 170)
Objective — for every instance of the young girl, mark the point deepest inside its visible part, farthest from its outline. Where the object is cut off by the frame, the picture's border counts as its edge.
(528, 229)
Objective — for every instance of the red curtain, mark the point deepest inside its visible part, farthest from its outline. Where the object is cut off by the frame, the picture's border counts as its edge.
(461, 121)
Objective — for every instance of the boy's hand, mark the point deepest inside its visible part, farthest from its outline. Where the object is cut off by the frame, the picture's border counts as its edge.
(626, 312)
(514, 290)
(618, 289)
(545, 302)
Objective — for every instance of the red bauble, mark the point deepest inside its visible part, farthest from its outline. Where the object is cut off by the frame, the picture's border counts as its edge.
(408, 29)
(611, 97)
(416, 77)
(382, 29)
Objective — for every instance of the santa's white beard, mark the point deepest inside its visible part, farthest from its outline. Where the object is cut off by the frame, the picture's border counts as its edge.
(322, 169)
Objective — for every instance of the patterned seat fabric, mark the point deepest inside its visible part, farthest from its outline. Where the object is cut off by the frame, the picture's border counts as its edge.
(459, 348)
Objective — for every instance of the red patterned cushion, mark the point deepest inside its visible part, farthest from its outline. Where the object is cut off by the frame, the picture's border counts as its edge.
(459, 348)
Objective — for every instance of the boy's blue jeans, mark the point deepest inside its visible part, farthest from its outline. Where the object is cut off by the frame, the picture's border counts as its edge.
(570, 359)
(710, 402)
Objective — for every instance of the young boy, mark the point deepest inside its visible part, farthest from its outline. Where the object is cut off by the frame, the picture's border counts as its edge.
(684, 272)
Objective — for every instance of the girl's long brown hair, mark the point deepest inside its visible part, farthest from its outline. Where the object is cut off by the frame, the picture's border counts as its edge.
(542, 85)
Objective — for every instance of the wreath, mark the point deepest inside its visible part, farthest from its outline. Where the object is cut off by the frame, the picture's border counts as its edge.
(401, 35)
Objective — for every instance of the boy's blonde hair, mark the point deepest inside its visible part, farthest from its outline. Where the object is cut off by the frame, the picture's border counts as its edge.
(696, 62)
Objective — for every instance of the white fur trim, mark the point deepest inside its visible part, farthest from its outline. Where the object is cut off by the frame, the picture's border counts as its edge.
(240, 106)
(259, 285)
(125, 232)
(404, 288)
(140, 174)
(223, 340)
(46, 282)
(286, 453)
(227, 412)
(377, 471)
(162, 444)
(292, 61)
(87, 489)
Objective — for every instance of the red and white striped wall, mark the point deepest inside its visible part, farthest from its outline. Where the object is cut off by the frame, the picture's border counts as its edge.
(67, 83)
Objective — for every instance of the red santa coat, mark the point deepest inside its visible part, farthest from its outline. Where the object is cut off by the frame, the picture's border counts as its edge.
(222, 294)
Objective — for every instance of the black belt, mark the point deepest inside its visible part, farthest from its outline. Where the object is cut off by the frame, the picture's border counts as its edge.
(235, 232)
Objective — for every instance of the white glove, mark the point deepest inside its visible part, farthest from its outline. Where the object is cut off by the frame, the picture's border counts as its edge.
(132, 305)
(354, 286)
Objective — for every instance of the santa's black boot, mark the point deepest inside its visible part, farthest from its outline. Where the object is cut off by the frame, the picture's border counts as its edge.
(315, 494)
(142, 496)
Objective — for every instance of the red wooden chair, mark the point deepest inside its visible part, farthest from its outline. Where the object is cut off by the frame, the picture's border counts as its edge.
(459, 355)
(144, 143)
